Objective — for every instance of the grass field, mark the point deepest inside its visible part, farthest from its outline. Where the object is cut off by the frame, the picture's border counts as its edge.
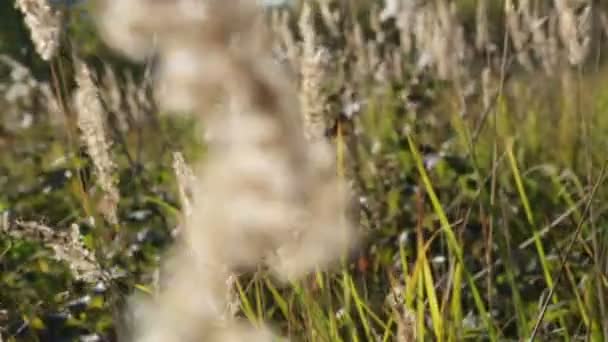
(470, 136)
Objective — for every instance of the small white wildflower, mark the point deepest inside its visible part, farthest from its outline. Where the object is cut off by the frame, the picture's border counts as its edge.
(340, 314)
(440, 259)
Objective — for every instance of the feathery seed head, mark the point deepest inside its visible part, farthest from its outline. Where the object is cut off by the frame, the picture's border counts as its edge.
(263, 190)
(44, 23)
(91, 123)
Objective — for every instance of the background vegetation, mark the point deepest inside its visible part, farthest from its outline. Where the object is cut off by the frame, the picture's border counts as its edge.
(483, 214)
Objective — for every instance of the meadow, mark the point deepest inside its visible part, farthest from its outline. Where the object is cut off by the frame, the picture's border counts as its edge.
(323, 170)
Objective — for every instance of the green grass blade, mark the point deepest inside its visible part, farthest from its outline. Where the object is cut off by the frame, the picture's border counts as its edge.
(453, 244)
(530, 217)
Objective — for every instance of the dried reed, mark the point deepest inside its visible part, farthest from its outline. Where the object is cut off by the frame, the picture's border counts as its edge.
(44, 23)
(185, 182)
(24, 95)
(312, 100)
(66, 245)
(91, 123)
(264, 196)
